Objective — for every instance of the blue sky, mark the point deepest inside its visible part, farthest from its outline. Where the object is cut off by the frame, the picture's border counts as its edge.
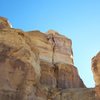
(77, 19)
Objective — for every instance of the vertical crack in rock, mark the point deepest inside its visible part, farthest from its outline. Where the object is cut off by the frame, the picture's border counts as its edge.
(52, 41)
(54, 45)
(56, 74)
(39, 66)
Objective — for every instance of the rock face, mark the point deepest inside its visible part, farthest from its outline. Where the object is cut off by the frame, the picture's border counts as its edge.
(62, 48)
(29, 65)
(38, 66)
(4, 23)
(52, 46)
(55, 54)
(67, 76)
(96, 72)
(74, 94)
(19, 65)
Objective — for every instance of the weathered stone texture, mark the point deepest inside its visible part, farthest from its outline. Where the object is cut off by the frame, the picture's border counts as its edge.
(96, 73)
(19, 67)
(74, 94)
(4, 23)
(39, 66)
(62, 48)
(52, 47)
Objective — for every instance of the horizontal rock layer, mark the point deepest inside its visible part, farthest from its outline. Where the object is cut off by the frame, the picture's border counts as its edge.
(74, 94)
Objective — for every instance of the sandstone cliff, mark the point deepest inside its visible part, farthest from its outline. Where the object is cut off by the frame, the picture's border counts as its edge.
(96, 73)
(38, 66)
(55, 54)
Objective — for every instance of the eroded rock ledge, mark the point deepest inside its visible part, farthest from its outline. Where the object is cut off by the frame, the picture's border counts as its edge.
(38, 66)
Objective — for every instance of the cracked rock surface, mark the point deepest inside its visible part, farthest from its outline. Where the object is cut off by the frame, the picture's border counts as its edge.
(39, 66)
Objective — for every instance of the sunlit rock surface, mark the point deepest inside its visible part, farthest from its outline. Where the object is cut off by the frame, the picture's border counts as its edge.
(19, 65)
(4, 23)
(39, 66)
(96, 73)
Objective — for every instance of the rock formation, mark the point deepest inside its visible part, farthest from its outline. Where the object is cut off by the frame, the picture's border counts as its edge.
(38, 66)
(96, 73)
(55, 54)
(19, 64)
(4, 23)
